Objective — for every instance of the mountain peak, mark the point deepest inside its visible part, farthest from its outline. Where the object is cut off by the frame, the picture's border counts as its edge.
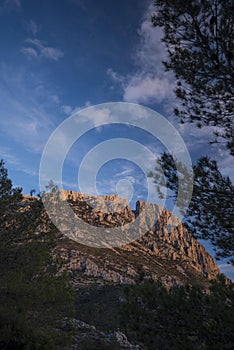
(164, 251)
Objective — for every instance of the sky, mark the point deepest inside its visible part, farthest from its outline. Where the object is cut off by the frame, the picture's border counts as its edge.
(58, 57)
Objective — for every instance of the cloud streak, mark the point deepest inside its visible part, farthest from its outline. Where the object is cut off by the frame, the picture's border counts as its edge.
(149, 83)
(22, 116)
(32, 27)
(38, 49)
(12, 160)
(10, 5)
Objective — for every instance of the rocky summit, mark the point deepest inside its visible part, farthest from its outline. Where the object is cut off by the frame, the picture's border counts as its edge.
(163, 252)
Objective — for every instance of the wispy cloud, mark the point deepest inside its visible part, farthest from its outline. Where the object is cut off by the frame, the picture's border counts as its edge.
(11, 159)
(30, 52)
(32, 27)
(79, 108)
(96, 116)
(55, 99)
(22, 116)
(198, 143)
(69, 185)
(126, 171)
(37, 48)
(149, 82)
(69, 110)
(10, 5)
(66, 109)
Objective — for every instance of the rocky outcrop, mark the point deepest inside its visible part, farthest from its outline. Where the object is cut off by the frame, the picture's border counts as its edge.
(167, 250)
(84, 333)
(170, 239)
(107, 211)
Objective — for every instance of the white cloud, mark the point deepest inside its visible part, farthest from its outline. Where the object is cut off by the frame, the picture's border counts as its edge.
(198, 142)
(149, 82)
(102, 116)
(145, 89)
(36, 42)
(115, 76)
(38, 48)
(96, 116)
(52, 53)
(127, 170)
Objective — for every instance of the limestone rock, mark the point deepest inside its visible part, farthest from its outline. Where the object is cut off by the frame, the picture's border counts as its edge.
(166, 249)
(166, 240)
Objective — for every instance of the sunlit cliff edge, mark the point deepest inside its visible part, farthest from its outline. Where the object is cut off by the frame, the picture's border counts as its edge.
(172, 255)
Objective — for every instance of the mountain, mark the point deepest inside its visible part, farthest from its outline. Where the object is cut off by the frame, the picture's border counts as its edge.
(161, 252)
(116, 304)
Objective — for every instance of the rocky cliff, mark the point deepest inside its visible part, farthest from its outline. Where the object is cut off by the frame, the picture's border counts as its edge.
(164, 251)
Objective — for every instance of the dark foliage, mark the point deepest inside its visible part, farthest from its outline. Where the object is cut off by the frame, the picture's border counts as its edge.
(34, 297)
(179, 318)
(211, 211)
(199, 36)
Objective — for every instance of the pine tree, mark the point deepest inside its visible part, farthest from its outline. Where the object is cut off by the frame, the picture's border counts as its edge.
(34, 296)
(199, 36)
(210, 214)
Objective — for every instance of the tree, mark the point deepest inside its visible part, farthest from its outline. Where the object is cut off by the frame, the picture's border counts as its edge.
(199, 36)
(9, 197)
(179, 318)
(32, 192)
(34, 294)
(211, 211)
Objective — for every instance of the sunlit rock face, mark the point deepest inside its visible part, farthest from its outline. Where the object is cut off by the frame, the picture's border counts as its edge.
(166, 251)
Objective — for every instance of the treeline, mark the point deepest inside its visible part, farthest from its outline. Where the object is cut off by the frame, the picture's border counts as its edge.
(34, 296)
(187, 318)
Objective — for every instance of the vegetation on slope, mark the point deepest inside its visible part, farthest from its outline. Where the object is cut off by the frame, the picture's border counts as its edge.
(33, 296)
(179, 318)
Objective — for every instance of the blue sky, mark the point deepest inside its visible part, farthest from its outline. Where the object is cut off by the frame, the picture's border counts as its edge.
(58, 57)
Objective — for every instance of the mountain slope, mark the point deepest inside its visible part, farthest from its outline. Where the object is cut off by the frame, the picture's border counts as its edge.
(172, 255)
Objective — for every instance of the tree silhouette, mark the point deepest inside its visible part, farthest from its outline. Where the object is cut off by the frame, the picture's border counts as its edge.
(34, 296)
(211, 211)
(199, 36)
